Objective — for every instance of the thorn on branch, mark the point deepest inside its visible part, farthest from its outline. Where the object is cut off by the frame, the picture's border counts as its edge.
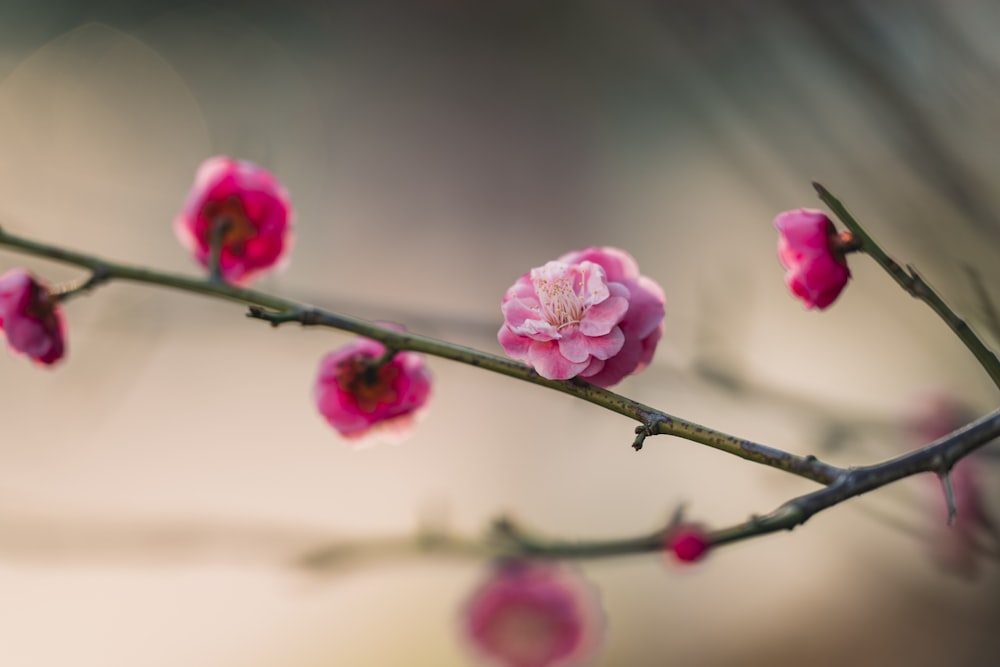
(507, 533)
(503, 525)
(949, 495)
(676, 518)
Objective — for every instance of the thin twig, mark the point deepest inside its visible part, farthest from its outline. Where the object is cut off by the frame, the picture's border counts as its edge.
(938, 457)
(915, 286)
(986, 303)
(277, 310)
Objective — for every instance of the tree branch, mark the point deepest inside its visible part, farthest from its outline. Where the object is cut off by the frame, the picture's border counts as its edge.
(915, 286)
(277, 310)
(507, 540)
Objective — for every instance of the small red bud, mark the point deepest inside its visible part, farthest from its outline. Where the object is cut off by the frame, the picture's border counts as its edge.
(688, 543)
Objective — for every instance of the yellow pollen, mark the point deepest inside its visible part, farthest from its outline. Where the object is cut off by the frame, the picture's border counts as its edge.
(561, 307)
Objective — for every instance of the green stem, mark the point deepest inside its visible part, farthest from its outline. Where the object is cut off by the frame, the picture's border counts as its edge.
(915, 286)
(219, 228)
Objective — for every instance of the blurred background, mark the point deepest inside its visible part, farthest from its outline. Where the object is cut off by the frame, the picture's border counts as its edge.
(160, 488)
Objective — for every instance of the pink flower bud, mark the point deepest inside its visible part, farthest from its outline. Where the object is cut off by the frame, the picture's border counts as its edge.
(254, 206)
(816, 271)
(532, 614)
(360, 397)
(688, 543)
(31, 318)
(588, 314)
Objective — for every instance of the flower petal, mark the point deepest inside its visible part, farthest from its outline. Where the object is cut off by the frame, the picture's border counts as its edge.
(574, 346)
(603, 317)
(545, 358)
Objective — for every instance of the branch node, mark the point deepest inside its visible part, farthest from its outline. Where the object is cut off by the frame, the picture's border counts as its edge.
(918, 286)
(649, 426)
(309, 317)
(271, 317)
(641, 432)
(844, 479)
(99, 274)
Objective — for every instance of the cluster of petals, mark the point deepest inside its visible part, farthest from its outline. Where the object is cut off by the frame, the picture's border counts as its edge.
(361, 394)
(533, 614)
(256, 212)
(815, 270)
(688, 543)
(588, 314)
(31, 318)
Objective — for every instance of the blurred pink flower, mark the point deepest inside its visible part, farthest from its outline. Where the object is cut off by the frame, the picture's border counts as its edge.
(588, 314)
(360, 398)
(815, 271)
(688, 543)
(958, 547)
(532, 614)
(254, 205)
(31, 318)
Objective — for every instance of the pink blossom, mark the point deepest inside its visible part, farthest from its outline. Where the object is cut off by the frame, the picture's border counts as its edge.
(253, 204)
(360, 397)
(816, 271)
(688, 543)
(533, 614)
(588, 314)
(643, 322)
(31, 318)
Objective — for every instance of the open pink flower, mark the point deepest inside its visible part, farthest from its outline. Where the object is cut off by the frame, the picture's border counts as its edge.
(31, 318)
(251, 203)
(360, 397)
(588, 314)
(643, 321)
(532, 614)
(816, 271)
